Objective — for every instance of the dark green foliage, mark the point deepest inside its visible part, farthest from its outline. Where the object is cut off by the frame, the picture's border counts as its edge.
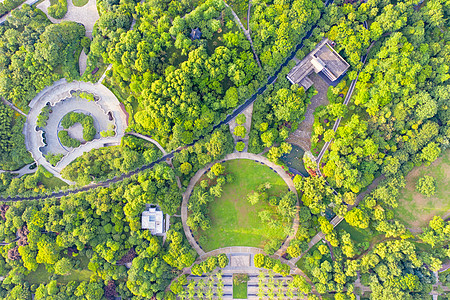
(68, 141)
(13, 153)
(8, 5)
(32, 51)
(87, 121)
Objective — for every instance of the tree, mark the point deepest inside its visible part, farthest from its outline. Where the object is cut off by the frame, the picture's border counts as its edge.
(426, 185)
(240, 119)
(240, 131)
(218, 169)
(253, 198)
(185, 168)
(240, 146)
(357, 218)
(63, 266)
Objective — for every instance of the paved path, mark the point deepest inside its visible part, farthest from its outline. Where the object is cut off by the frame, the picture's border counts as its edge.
(150, 140)
(7, 103)
(246, 32)
(53, 94)
(248, 112)
(302, 136)
(86, 15)
(22, 171)
(336, 220)
(237, 111)
(104, 74)
(232, 156)
(82, 61)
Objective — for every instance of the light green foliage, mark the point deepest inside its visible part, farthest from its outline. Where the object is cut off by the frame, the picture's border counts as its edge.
(426, 185)
(240, 131)
(53, 159)
(240, 119)
(58, 9)
(240, 146)
(87, 121)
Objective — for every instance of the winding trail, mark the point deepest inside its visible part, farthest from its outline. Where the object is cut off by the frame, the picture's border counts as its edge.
(150, 140)
(232, 156)
(230, 117)
(246, 32)
(7, 103)
(336, 220)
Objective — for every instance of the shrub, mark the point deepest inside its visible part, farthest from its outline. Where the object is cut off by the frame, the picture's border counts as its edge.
(89, 130)
(222, 260)
(259, 260)
(53, 159)
(240, 146)
(240, 131)
(240, 119)
(66, 140)
(58, 10)
(43, 116)
(426, 186)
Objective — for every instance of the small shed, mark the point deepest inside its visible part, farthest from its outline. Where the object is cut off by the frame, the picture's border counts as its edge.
(196, 34)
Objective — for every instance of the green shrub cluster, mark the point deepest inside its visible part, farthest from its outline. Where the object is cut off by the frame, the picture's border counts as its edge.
(67, 141)
(8, 5)
(266, 262)
(53, 159)
(43, 116)
(210, 264)
(85, 95)
(58, 10)
(89, 130)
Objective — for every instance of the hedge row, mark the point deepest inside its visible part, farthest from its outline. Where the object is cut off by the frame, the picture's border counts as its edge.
(266, 262)
(210, 264)
(67, 141)
(89, 130)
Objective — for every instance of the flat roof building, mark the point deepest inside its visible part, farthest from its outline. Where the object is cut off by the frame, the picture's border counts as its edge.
(153, 220)
(322, 60)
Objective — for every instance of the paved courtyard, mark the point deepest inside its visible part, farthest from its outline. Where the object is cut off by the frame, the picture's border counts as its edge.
(75, 104)
(86, 15)
(99, 110)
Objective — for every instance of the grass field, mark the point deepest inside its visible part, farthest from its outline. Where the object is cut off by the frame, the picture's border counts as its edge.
(42, 276)
(414, 209)
(80, 3)
(52, 182)
(235, 222)
(239, 290)
(358, 235)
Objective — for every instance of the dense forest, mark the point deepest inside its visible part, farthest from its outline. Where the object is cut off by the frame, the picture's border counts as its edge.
(13, 154)
(176, 83)
(34, 53)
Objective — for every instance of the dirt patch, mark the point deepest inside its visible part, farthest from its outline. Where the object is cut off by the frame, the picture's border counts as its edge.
(415, 209)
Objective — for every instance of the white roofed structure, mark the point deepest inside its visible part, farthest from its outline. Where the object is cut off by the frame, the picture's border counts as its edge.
(153, 220)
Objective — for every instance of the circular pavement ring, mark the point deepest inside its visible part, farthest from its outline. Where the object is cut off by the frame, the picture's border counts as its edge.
(233, 156)
(57, 92)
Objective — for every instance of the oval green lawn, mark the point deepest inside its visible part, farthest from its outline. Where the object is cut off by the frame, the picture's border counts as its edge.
(80, 3)
(235, 222)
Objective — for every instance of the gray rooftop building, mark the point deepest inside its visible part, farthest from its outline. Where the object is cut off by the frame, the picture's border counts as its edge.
(323, 59)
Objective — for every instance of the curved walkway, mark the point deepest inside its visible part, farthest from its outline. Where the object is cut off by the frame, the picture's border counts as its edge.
(246, 31)
(150, 140)
(53, 94)
(232, 156)
(232, 115)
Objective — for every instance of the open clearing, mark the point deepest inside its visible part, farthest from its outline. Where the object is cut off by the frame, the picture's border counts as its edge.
(415, 209)
(235, 222)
